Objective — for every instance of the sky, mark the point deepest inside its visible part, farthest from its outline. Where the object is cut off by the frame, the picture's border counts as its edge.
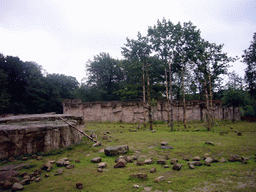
(62, 35)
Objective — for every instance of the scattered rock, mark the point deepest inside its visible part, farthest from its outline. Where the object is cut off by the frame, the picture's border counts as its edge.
(148, 161)
(233, 158)
(23, 174)
(15, 180)
(17, 187)
(191, 166)
(39, 179)
(223, 160)
(24, 182)
(52, 161)
(169, 182)
(102, 165)
(166, 166)
(119, 150)
(46, 175)
(140, 163)
(96, 144)
(121, 157)
(206, 155)
(105, 137)
(79, 185)
(153, 170)
(161, 161)
(198, 163)
(136, 186)
(47, 166)
(185, 158)
(27, 177)
(164, 143)
(207, 163)
(177, 166)
(197, 158)
(77, 161)
(173, 161)
(39, 158)
(244, 160)
(159, 179)
(153, 131)
(130, 159)
(120, 164)
(60, 162)
(59, 172)
(100, 170)
(96, 159)
(208, 160)
(197, 129)
(139, 176)
(209, 143)
(215, 160)
(71, 166)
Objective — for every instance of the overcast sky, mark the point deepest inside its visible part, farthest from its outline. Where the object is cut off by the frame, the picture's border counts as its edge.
(61, 35)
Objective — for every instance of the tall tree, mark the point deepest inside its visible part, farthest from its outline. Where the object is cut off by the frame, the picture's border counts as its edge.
(187, 38)
(162, 37)
(249, 57)
(210, 64)
(139, 50)
(106, 74)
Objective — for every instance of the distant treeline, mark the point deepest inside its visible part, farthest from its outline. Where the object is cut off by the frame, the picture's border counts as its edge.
(26, 88)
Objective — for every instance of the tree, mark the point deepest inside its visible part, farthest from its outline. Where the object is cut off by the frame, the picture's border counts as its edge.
(210, 64)
(187, 39)
(249, 57)
(58, 88)
(139, 51)
(106, 74)
(238, 98)
(163, 41)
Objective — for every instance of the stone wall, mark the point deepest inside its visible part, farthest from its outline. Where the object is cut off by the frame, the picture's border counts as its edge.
(21, 135)
(134, 111)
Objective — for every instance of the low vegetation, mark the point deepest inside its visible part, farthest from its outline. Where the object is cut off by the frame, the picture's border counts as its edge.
(143, 143)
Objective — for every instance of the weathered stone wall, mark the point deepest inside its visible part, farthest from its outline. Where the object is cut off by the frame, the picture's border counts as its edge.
(29, 134)
(132, 112)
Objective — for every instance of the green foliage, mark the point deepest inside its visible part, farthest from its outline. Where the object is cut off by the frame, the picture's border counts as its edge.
(24, 88)
(104, 76)
(249, 57)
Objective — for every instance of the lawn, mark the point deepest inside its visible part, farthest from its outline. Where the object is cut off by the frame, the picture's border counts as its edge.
(143, 143)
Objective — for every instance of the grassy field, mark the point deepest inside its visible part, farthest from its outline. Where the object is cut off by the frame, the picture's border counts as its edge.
(229, 176)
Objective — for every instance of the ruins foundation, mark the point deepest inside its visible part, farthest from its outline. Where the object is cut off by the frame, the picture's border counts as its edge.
(27, 134)
(135, 111)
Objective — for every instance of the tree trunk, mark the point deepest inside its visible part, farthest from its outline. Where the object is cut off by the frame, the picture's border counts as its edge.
(208, 126)
(148, 97)
(171, 97)
(184, 99)
(144, 93)
(211, 109)
(167, 97)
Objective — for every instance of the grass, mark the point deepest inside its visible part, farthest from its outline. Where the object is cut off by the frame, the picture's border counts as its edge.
(230, 176)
